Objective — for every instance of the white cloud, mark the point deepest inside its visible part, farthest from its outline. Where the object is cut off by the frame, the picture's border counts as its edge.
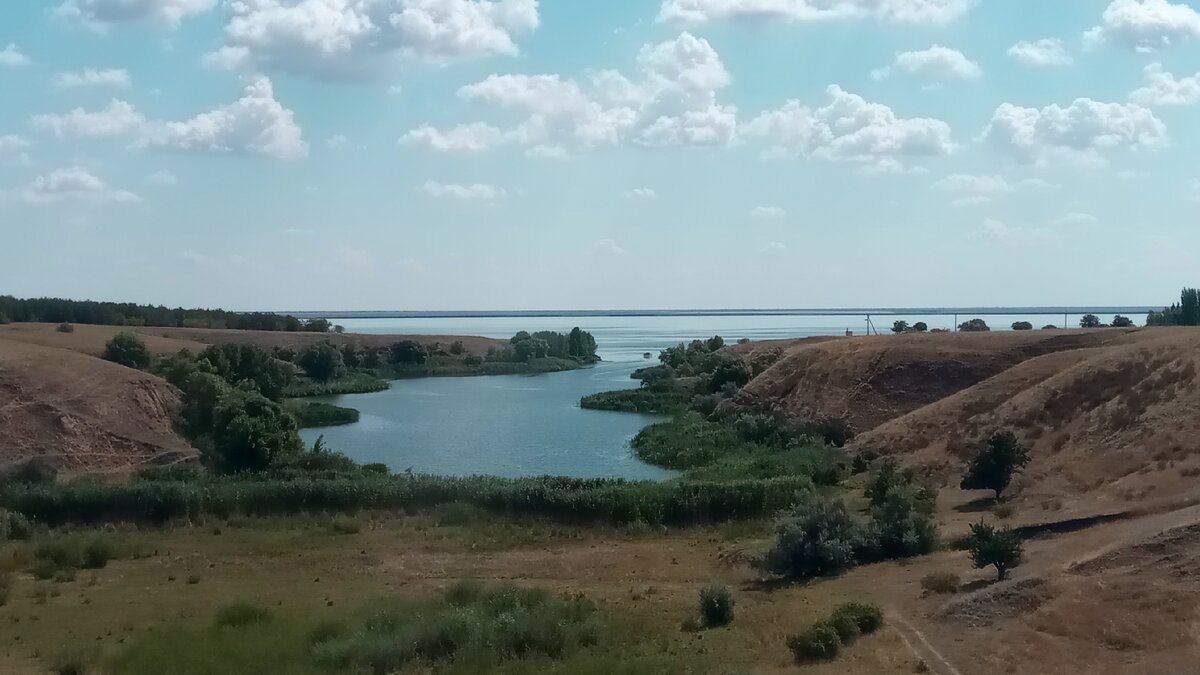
(1164, 89)
(476, 191)
(1041, 53)
(355, 39)
(336, 142)
(1076, 219)
(1082, 130)
(980, 185)
(608, 247)
(115, 119)
(998, 232)
(671, 102)
(255, 123)
(118, 78)
(12, 57)
(937, 61)
(640, 193)
(850, 129)
(100, 13)
(474, 137)
(163, 177)
(13, 147)
(976, 200)
(1145, 25)
(906, 11)
(767, 212)
(70, 184)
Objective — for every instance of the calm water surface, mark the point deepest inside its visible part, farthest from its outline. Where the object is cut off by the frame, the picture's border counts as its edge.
(532, 425)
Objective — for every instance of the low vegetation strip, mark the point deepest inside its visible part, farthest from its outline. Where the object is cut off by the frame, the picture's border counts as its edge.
(608, 501)
(313, 414)
(642, 401)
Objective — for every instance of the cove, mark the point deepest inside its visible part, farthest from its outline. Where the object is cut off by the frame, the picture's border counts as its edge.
(510, 425)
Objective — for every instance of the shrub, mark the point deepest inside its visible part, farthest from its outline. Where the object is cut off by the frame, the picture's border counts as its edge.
(65, 327)
(1022, 325)
(322, 361)
(127, 350)
(901, 525)
(974, 326)
(14, 526)
(60, 552)
(74, 661)
(820, 642)
(940, 582)
(1122, 322)
(716, 605)
(250, 432)
(242, 614)
(1090, 321)
(817, 537)
(867, 618)
(6, 583)
(97, 551)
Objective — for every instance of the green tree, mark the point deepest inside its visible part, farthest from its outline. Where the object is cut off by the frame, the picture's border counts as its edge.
(1121, 322)
(250, 432)
(1090, 321)
(715, 343)
(818, 537)
(995, 548)
(729, 371)
(920, 327)
(899, 327)
(127, 350)
(201, 393)
(408, 352)
(457, 348)
(532, 348)
(994, 465)
(974, 326)
(322, 361)
(1022, 325)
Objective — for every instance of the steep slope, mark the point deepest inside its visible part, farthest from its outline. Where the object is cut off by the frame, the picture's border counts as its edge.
(870, 380)
(82, 413)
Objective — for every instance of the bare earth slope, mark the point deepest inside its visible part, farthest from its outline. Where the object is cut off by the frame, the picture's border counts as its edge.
(82, 413)
(91, 339)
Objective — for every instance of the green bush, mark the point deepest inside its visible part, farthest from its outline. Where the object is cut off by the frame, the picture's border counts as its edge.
(65, 327)
(816, 538)
(820, 642)
(312, 414)
(242, 614)
(867, 618)
(128, 350)
(14, 526)
(37, 470)
(96, 553)
(75, 661)
(716, 605)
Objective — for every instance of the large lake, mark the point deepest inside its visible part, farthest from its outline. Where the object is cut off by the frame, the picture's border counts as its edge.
(533, 425)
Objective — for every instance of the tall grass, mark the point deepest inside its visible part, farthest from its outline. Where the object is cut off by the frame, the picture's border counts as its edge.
(354, 382)
(584, 501)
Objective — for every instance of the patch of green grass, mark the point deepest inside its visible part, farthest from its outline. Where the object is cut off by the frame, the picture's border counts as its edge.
(641, 400)
(353, 382)
(313, 414)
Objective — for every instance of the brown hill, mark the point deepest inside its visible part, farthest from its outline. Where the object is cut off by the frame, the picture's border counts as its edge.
(91, 339)
(82, 413)
(870, 380)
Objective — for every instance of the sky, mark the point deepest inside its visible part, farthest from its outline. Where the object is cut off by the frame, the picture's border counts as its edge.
(561, 154)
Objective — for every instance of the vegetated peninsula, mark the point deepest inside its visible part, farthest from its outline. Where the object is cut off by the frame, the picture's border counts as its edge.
(1035, 483)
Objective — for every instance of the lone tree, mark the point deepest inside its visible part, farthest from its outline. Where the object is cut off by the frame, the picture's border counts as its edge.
(974, 326)
(1090, 321)
(1121, 322)
(993, 467)
(920, 327)
(998, 548)
(127, 350)
(1022, 325)
(899, 327)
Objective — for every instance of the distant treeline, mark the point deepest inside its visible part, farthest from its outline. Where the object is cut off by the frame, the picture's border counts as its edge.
(58, 310)
(1185, 313)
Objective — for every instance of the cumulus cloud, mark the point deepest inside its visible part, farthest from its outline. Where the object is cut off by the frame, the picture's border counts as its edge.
(1045, 53)
(12, 149)
(12, 57)
(937, 61)
(102, 13)
(1083, 130)
(850, 129)
(901, 11)
(474, 137)
(477, 191)
(979, 185)
(640, 193)
(69, 184)
(255, 123)
(1076, 219)
(1145, 25)
(356, 39)
(117, 78)
(1164, 89)
(672, 101)
(998, 232)
(767, 212)
(115, 119)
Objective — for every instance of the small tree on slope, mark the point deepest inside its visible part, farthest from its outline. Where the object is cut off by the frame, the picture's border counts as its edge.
(998, 548)
(993, 467)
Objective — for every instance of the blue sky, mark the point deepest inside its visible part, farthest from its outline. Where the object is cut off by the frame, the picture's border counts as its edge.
(515, 154)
